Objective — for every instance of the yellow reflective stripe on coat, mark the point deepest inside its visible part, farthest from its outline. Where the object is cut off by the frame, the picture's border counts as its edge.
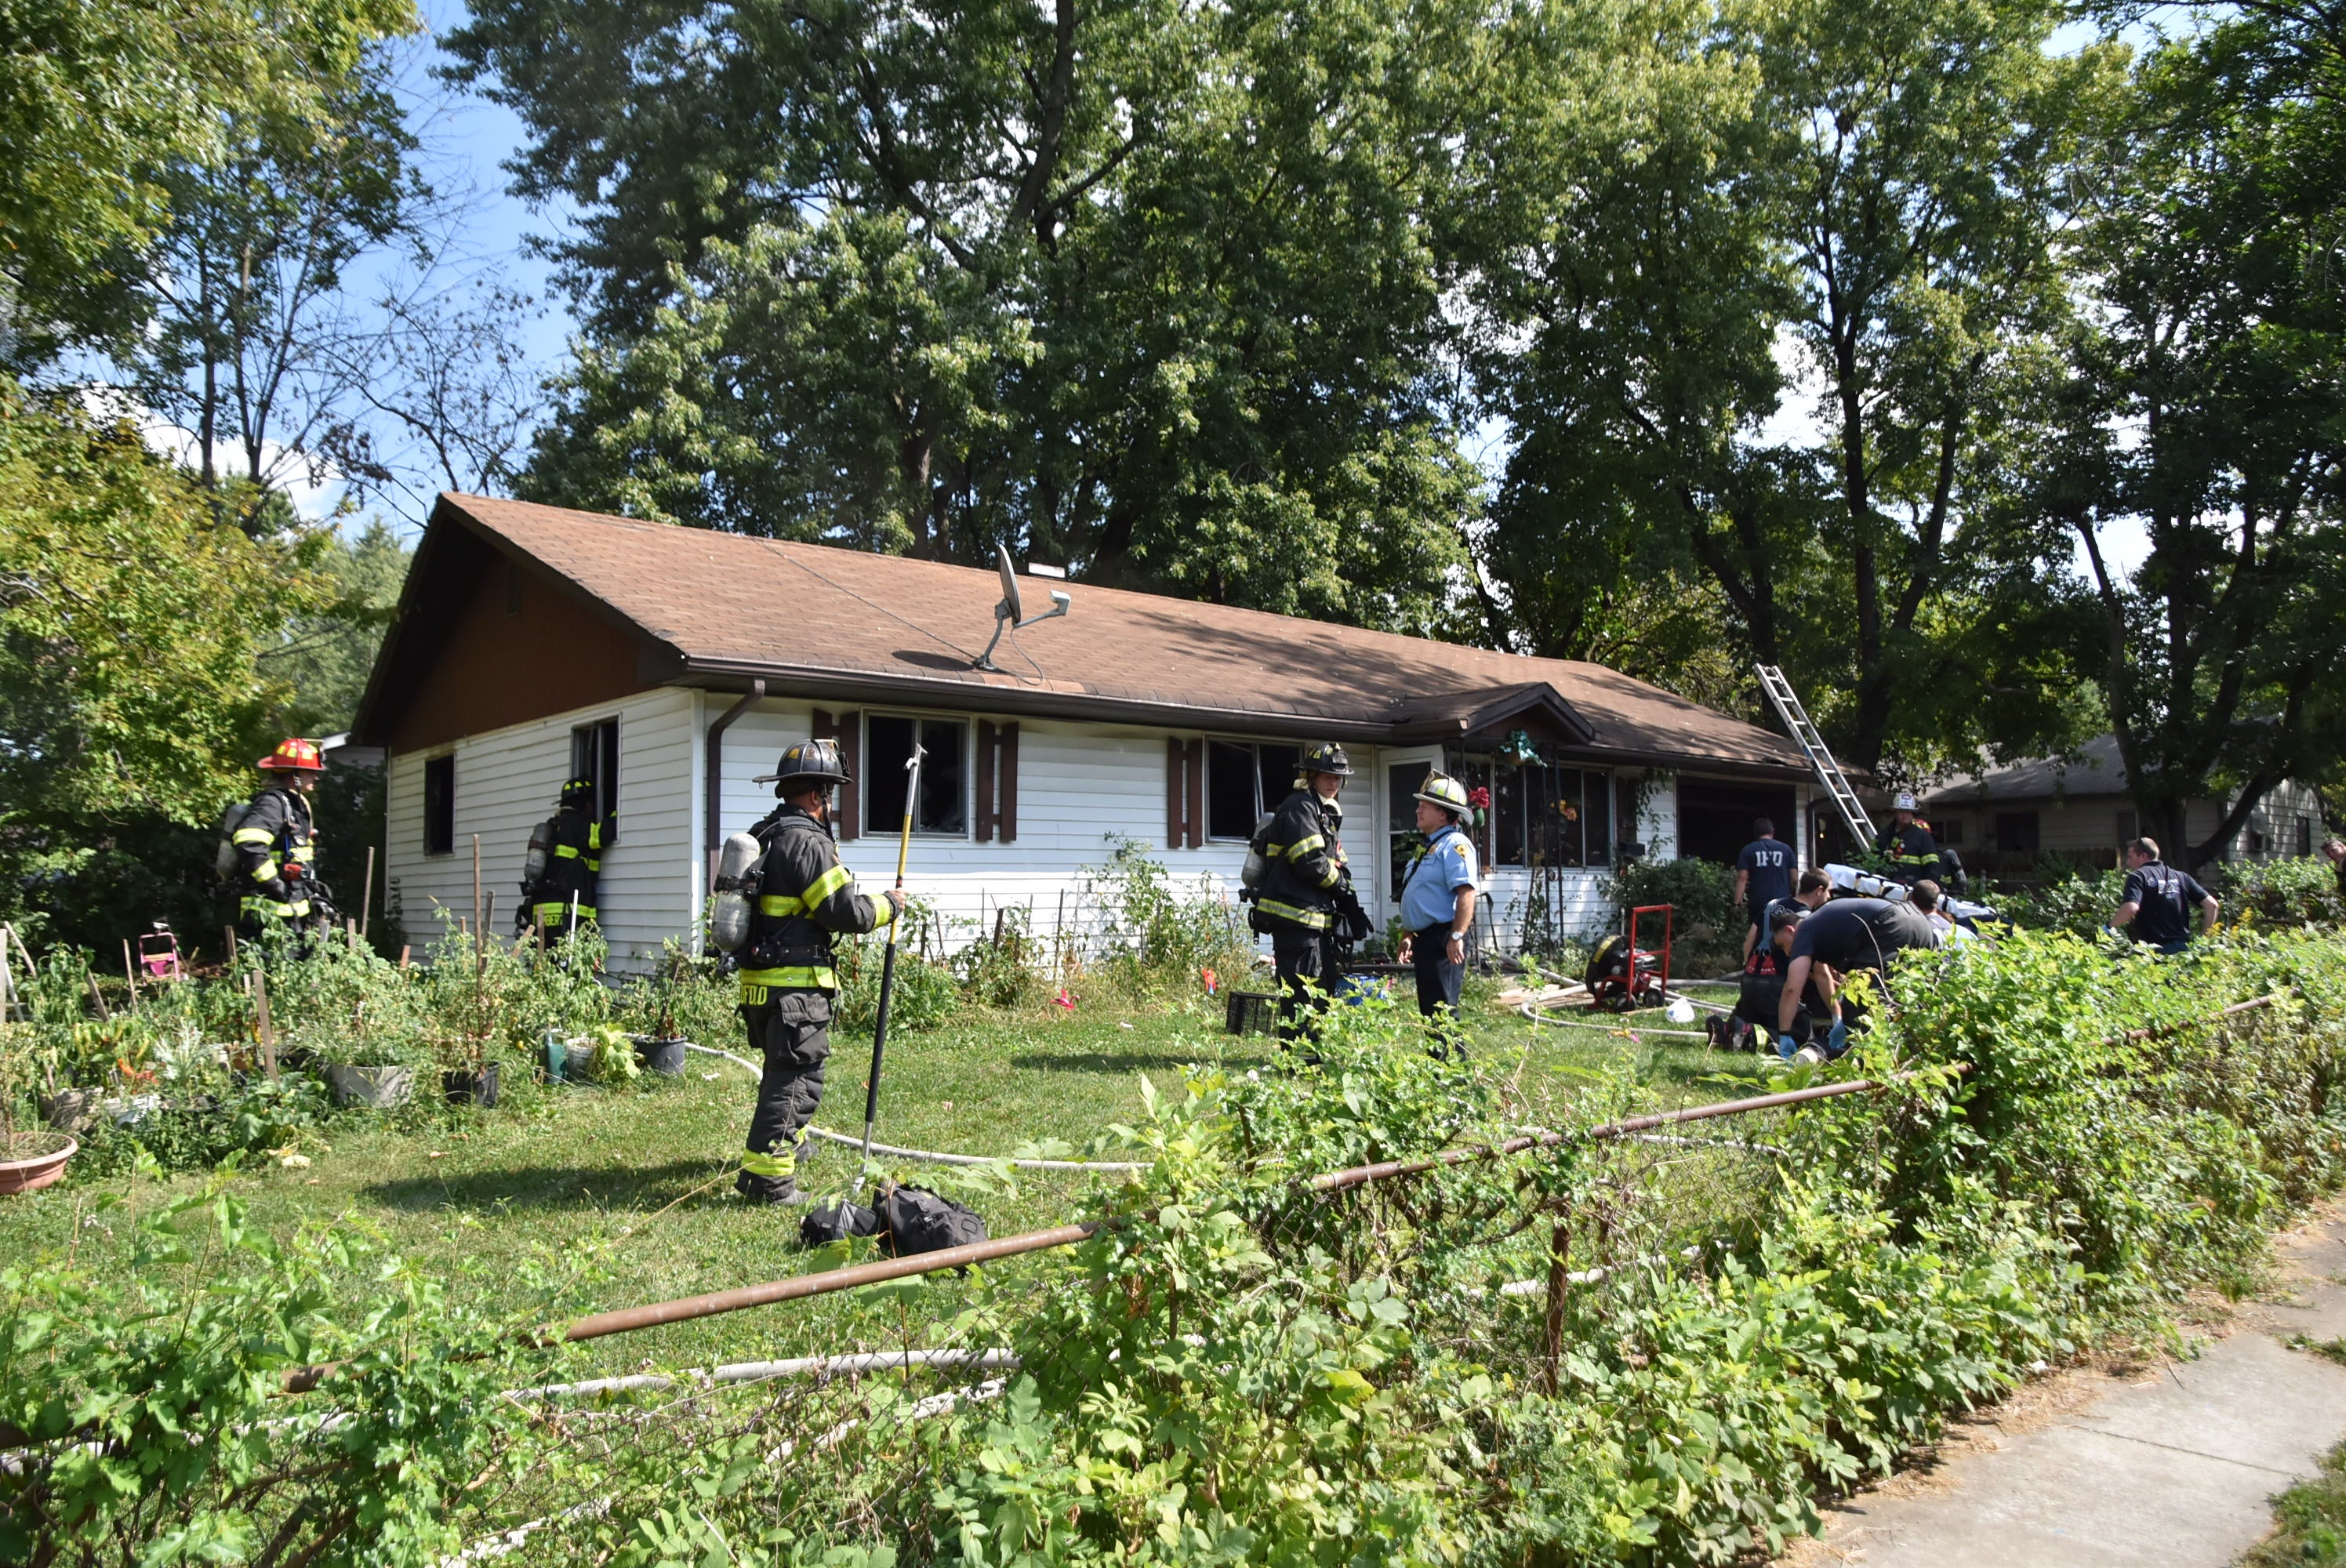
(1305, 845)
(779, 906)
(552, 915)
(305, 853)
(270, 907)
(1318, 919)
(250, 836)
(265, 873)
(823, 886)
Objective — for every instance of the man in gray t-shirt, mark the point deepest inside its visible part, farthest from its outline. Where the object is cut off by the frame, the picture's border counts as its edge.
(1850, 935)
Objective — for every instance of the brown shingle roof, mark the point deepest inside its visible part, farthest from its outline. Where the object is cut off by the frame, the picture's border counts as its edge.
(823, 620)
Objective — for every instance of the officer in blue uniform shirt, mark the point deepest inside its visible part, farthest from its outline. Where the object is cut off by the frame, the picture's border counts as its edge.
(1437, 896)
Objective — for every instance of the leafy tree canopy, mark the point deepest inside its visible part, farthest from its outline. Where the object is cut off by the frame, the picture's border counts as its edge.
(1146, 289)
(99, 99)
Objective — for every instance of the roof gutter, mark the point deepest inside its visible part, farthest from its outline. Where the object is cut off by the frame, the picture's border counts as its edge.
(714, 777)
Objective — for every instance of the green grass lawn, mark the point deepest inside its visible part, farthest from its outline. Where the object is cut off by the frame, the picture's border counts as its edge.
(640, 1180)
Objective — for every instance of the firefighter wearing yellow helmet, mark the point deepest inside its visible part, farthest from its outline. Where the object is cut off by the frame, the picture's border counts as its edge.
(275, 845)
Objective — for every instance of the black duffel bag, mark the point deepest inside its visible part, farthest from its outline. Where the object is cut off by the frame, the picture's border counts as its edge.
(916, 1220)
(837, 1222)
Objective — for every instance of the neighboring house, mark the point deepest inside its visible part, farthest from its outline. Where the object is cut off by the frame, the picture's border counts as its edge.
(2005, 820)
(532, 643)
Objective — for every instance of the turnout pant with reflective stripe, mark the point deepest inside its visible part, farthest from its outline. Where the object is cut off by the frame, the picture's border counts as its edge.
(1302, 956)
(792, 1028)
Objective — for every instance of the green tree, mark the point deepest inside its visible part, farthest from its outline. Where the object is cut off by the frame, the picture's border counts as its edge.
(325, 657)
(252, 347)
(99, 98)
(130, 625)
(1686, 204)
(1143, 288)
(2207, 409)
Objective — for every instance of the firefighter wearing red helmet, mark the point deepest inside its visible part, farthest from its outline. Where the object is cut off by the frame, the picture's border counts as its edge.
(276, 843)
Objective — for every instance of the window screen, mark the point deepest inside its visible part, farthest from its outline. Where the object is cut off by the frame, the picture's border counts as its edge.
(2016, 831)
(440, 806)
(595, 756)
(945, 773)
(1544, 816)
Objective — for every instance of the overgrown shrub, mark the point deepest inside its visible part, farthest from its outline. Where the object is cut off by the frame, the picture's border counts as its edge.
(147, 1421)
(1707, 927)
(2297, 891)
(1156, 936)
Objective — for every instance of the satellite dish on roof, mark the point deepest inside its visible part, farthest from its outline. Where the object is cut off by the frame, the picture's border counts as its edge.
(1013, 604)
(1008, 614)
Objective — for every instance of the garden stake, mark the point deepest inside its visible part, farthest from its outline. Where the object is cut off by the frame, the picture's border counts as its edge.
(103, 1015)
(366, 892)
(260, 1021)
(129, 975)
(888, 959)
(1558, 1280)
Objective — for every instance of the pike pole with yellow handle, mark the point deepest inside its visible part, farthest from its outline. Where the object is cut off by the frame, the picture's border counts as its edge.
(888, 960)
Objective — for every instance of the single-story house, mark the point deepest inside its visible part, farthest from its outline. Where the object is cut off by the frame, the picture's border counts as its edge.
(673, 664)
(2080, 807)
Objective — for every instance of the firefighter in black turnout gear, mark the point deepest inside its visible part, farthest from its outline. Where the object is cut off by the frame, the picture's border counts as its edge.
(565, 865)
(1306, 886)
(276, 846)
(801, 896)
(1909, 846)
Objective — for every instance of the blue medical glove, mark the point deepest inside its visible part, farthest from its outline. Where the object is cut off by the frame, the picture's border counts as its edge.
(1786, 1045)
(1836, 1037)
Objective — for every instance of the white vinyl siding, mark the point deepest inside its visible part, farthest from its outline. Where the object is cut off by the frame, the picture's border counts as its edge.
(1080, 787)
(507, 782)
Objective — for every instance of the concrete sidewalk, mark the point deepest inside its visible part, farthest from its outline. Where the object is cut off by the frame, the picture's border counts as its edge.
(2172, 1467)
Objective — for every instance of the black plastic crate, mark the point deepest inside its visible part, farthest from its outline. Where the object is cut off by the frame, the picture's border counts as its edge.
(1251, 1012)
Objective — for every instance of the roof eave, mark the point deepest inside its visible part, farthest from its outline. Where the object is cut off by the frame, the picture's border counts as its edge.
(872, 685)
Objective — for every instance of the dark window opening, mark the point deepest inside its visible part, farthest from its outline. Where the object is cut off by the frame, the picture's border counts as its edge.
(1243, 781)
(945, 773)
(2125, 821)
(595, 756)
(2304, 837)
(1233, 803)
(1950, 832)
(440, 805)
(2015, 832)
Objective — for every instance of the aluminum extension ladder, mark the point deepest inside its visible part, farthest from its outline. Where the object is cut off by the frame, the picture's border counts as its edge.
(1821, 757)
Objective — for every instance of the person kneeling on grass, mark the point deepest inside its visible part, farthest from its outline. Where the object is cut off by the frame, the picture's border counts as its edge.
(1846, 936)
(1763, 984)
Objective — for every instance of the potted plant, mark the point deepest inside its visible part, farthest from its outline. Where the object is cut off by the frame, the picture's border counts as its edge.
(33, 1157)
(378, 1074)
(662, 1050)
(467, 1076)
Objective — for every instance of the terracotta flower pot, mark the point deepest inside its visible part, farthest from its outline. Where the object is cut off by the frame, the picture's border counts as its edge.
(35, 1160)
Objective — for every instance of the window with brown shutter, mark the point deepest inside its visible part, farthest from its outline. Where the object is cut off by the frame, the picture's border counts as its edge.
(1005, 815)
(996, 771)
(1177, 793)
(1197, 794)
(847, 729)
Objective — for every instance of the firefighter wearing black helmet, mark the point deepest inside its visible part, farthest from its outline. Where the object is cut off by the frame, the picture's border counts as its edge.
(804, 899)
(565, 863)
(1304, 881)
